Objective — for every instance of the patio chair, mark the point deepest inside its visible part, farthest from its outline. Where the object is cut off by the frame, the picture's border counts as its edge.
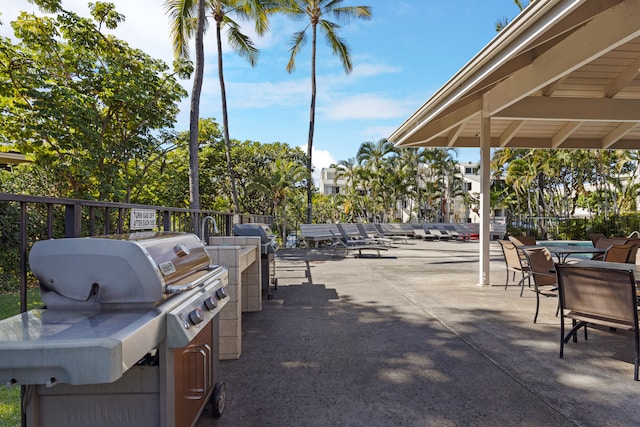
(621, 253)
(595, 237)
(515, 264)
(545, 280)
(605, 243)
(523, 240)
(599, 296)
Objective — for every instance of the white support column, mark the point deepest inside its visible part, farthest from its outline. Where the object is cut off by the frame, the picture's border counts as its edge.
(485, 197)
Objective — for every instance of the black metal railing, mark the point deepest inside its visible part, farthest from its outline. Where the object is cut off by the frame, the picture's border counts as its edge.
(26, 219)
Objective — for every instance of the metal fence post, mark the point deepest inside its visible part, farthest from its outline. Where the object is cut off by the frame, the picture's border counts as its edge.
(73, 220)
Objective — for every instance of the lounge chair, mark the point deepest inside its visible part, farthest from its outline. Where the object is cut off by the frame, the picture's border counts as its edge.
(316, 234)
(390, 234)
(451, 231)
(424, 234)
(343, 240)
(439, 234)
(374, 238)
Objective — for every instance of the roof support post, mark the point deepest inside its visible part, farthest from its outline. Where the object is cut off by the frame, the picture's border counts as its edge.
(485, 196)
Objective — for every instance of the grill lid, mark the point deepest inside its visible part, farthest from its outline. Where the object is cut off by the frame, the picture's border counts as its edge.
(126, 268)
(254, 229)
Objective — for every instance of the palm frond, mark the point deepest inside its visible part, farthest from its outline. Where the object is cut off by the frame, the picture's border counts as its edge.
(259, 11)
(240, 42)
(338, 44)
(298, 40)
(183, 17)
(293, 9)
(345, 14)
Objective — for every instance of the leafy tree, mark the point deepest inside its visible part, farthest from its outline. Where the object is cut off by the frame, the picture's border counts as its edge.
(285, 177)
(83, 104)
(316, 12)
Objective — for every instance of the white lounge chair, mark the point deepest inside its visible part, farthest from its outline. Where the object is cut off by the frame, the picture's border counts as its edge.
(439, 235)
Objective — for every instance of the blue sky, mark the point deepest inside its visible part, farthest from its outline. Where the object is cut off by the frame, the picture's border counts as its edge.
(400, 57)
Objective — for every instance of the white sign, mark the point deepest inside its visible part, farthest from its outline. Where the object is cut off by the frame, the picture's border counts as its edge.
(142, 219)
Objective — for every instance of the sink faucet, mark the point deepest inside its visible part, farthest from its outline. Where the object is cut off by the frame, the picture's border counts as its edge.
(204, 223)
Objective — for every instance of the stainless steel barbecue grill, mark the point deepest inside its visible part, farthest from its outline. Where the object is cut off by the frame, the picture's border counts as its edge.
(129, 335)
(268, 247)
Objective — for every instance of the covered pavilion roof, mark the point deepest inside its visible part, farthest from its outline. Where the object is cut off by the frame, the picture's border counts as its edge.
(563, 74)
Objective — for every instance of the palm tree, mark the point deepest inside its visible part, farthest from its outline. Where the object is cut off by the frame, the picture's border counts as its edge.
(185, 25)
(372, 157)
(316, 11)
(371, 154)
(503, 22)
(285, 176)
(182, 29)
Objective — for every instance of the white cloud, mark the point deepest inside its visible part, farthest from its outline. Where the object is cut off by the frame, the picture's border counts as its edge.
(320, 159)
(267, 94)
(370, 70)
(367, 106)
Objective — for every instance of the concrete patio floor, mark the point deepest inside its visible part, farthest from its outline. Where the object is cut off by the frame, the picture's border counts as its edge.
(409, 339)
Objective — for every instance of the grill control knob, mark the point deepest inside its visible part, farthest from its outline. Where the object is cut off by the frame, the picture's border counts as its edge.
(221, 293)
(211, 303)
(195, 317)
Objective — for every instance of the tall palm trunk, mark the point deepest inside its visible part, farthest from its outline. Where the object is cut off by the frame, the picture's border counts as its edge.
(194, 113)
(312, 116)
(225, 121)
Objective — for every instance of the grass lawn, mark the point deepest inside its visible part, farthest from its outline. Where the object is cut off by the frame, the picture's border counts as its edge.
(10, 397)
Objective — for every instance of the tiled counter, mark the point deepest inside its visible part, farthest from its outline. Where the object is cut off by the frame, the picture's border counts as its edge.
(241, 256)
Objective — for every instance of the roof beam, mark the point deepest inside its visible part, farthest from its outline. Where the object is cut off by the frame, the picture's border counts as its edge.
(603, 33)
(525, 142)
(454, 134)
(573, 109)
(548, 91)
(627, 76)
(510, 132)
(564, 133)
(617, 134)
(449, 120)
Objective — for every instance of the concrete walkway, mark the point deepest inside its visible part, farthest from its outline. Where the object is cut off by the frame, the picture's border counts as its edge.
(409, 339)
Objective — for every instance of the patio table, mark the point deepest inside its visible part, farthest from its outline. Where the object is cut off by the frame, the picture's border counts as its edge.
(562, 252)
